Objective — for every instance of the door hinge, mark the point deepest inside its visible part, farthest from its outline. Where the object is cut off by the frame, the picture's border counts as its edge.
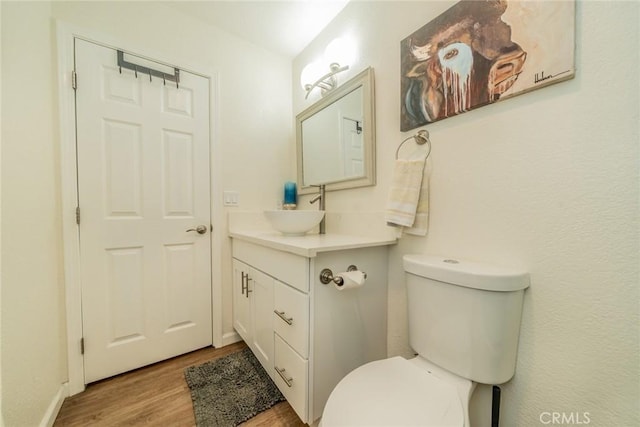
(82, 345)
(78, 215)
(74, 80)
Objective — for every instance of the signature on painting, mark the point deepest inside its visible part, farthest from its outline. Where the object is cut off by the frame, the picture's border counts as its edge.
(540, 77)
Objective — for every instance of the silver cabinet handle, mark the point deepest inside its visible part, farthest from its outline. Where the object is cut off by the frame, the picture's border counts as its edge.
(244, 287)
(281, 372)
(288, 320)
(247, 285)
(201, 229)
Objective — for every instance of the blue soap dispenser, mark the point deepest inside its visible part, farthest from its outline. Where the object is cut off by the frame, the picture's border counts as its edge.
(290, 195)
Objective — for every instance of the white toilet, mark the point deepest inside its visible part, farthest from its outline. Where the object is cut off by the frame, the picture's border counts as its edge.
(464, 323)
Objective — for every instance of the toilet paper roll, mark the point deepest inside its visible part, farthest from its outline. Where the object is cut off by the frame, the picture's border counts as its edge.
(350, 280)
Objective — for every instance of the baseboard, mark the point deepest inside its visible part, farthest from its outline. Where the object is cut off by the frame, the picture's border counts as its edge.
(54, 407)
(230, 338)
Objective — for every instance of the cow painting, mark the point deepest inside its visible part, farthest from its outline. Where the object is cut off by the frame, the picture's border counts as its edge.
(465, 58)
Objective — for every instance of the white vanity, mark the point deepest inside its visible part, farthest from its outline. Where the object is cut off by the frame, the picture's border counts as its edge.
(306, 334)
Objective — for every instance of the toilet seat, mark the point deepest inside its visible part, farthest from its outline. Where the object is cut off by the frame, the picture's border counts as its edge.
(393, 392)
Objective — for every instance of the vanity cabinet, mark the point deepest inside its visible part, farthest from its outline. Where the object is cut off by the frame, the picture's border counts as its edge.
(306, 334)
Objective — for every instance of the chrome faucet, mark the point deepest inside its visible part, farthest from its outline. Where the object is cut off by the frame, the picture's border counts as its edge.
(320, 197)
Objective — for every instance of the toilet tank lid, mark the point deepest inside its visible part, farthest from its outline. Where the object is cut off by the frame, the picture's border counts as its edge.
(466, 273)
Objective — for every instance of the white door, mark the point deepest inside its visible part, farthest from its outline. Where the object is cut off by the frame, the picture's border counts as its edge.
(143, 183)
(352, 147)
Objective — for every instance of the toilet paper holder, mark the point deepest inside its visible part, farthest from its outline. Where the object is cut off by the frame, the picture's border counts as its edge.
(326, 276)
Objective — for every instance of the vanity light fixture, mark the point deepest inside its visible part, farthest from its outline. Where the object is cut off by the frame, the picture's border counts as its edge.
(338, 55)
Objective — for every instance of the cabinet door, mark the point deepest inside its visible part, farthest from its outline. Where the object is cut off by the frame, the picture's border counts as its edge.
(242, 318)
(261, 287)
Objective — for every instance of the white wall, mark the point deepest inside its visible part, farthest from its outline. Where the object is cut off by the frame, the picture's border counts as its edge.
(548, 181)
(1, 412)
(33, 350)
(253, 132)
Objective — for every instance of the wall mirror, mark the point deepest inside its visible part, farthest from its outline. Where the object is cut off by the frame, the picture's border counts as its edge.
(335, 138)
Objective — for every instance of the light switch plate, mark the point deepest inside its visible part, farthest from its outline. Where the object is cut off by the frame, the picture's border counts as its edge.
(231, 198)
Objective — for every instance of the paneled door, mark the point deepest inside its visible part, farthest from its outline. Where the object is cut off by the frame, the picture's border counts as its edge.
(352, 147)
(143, 192)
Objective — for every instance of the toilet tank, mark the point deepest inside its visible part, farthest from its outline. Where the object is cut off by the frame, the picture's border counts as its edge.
(465, 316)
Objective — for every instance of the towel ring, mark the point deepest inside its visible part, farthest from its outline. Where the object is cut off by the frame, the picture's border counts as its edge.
(421, 138)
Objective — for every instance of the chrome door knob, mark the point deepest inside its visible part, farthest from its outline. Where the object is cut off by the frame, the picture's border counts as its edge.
(201, 229)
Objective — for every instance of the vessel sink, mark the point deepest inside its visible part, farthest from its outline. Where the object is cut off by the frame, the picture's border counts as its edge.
(294, 222)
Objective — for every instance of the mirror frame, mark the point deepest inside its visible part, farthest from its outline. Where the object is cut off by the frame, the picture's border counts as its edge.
(365, 80)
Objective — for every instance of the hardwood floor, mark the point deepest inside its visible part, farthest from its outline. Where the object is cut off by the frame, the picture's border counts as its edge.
(155, 395)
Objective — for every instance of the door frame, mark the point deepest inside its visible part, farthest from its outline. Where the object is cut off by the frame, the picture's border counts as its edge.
(66, 33)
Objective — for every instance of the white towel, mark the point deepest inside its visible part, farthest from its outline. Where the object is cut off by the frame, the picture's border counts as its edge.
(421, 222)
(408, 203)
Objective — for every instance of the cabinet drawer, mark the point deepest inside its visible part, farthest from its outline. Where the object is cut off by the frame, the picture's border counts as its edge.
(289, 268)
(291, 317)
(291, 376)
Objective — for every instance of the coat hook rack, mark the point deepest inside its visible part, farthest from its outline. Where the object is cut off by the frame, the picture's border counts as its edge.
(175, 77)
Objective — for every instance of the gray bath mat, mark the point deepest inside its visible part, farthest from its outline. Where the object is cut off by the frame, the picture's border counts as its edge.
(230, 390)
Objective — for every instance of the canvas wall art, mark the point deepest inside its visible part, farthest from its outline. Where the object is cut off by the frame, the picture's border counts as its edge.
(482, 51)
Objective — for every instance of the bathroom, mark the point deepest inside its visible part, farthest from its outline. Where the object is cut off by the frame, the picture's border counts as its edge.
(546, 180)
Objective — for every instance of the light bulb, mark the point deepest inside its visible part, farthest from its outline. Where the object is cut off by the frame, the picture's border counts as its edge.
(340, 51)
(312, 72)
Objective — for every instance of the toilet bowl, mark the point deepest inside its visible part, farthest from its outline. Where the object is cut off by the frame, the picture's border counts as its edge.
(464, 322)
(399, 392)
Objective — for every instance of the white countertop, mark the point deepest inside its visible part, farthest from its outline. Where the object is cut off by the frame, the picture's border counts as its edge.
(310, 245)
